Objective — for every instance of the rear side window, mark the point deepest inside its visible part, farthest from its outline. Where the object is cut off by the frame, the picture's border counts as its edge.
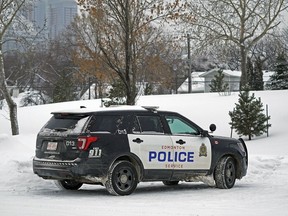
(148, 124)
(111, 124)
(66, 122)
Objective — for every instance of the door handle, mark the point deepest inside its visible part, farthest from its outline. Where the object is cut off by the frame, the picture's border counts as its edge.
(138, 140)
(181, 142)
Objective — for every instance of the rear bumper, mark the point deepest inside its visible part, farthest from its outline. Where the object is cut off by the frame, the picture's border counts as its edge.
(75, 169)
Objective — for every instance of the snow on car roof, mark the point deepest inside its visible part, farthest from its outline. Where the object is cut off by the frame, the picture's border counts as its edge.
(83, 110)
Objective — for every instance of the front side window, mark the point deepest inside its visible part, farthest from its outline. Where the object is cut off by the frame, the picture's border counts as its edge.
(180, 126)
(150, 124)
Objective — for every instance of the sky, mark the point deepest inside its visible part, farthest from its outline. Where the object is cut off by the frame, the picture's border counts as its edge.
(263, 191)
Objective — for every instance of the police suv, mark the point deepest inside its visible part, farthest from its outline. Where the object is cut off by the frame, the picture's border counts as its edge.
(120, 147)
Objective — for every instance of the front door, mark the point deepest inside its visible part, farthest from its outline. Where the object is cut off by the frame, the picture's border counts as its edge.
(192, 151)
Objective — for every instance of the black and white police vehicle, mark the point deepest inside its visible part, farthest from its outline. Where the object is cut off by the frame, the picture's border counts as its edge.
(118, 148)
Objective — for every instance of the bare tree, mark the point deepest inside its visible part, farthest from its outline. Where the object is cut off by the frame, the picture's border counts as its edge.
(8, 11)
(267, 50)
(121, 26)
(87, 55)
(242, 22)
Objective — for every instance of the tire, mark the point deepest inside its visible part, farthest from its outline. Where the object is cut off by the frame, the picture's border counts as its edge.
(122, 178)
(170, 183)
(225, 173)
(68, 184)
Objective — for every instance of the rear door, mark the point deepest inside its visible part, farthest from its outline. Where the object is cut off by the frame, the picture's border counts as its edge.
(154, 148)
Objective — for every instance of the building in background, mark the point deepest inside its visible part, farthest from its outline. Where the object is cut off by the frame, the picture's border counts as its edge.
(201, 81)
(52, 15)
(43, 20)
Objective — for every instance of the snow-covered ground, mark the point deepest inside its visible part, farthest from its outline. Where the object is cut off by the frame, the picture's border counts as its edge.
(263, 191)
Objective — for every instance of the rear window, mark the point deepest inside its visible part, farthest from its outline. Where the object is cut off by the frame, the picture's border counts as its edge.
(66, 122)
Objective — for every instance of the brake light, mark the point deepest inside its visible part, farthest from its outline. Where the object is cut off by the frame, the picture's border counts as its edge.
(84, 142)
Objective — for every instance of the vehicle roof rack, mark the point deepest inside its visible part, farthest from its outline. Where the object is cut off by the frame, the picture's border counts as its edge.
(151, 108)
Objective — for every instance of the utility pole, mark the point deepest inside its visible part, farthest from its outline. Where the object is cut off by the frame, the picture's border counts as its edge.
(189, 65)
(89, 90)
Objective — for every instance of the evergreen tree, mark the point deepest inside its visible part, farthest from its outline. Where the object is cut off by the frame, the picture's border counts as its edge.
(116, 94)
(218, 84)
(64, 88)
(250, 73)
(258, 83)
(279, 80)
(255, 74)
(148, 89)
(248, 118)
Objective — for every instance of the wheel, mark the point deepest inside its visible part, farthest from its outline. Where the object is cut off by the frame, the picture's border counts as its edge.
(122, 178)
(68, 184)
(225, 173)
(170, 183)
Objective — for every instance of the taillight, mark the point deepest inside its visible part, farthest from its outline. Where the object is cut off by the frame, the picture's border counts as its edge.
(84, 142)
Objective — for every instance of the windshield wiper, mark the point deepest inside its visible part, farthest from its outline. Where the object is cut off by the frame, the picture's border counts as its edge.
(60, 129)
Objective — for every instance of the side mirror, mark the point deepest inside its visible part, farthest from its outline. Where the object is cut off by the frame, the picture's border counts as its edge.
(204, 133)
(212, 127)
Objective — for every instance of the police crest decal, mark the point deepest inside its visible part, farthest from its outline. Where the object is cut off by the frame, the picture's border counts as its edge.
(203, 150)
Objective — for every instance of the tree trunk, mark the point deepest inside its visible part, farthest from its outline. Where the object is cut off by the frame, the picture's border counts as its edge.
(130, 95)
(244, 78)
(130, 85)
(11, 104)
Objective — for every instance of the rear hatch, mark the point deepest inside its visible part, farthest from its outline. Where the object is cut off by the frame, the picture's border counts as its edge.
(58, 139)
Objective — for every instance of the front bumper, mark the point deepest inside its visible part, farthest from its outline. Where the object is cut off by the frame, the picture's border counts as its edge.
(244, 165)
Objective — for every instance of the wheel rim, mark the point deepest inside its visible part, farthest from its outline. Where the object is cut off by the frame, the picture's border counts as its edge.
(124, 179)
(230, 173)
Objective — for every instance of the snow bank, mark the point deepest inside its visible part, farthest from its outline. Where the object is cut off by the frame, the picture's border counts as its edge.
(262, 192)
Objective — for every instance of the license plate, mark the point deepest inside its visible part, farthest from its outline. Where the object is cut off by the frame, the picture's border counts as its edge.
(52, 146)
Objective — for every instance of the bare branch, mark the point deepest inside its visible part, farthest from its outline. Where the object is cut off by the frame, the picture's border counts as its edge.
(242, 22)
